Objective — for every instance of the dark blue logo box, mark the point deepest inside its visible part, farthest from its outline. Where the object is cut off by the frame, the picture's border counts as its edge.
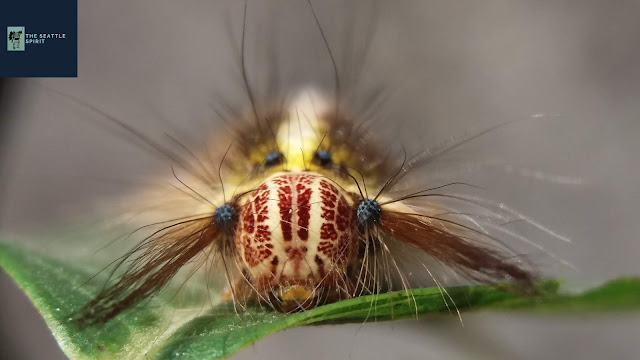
(41, 38)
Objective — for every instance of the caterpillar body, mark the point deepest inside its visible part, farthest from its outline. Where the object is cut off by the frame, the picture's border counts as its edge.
(303, 209)
(302, 228)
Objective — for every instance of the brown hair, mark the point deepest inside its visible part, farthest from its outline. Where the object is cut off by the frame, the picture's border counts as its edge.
(161, 256)
(470, 256)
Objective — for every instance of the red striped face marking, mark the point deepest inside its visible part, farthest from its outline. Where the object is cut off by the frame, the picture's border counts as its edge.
(294, 229)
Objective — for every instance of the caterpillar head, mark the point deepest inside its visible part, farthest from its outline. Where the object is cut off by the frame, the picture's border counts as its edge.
(296, 238)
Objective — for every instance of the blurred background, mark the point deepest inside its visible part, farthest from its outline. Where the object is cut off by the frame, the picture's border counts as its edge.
(569, 70)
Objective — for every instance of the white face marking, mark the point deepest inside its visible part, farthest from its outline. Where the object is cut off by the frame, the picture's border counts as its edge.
(302, 128)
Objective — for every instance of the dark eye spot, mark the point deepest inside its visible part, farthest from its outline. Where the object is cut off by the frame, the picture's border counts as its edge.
(368, 212)
(273, 158)
(323, 157)
(225, 216)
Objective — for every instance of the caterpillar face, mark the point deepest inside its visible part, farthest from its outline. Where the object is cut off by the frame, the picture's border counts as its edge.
(297, 234)
(295, 246)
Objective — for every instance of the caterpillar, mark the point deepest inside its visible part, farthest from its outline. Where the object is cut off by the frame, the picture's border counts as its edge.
(305, 206)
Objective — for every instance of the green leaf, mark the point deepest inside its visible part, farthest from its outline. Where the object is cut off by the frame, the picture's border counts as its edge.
(160, 331)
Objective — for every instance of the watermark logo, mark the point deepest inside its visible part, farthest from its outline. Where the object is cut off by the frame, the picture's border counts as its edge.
(42, 40)
(15, 38)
